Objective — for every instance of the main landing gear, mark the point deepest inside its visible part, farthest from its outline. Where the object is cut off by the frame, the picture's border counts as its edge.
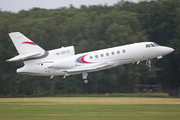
(84, 75)
(85, 81)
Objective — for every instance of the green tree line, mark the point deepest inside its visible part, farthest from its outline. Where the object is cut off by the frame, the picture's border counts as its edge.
(91, 28)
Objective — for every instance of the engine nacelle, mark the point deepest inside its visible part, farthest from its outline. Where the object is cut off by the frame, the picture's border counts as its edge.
(62, 53)
(64, 63)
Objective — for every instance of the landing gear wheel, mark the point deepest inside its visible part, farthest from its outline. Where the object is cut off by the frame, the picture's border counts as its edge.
(84, 75)
(85, 81)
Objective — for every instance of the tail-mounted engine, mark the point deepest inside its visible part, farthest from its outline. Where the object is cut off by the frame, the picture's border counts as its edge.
(64, 57)
(64, 63)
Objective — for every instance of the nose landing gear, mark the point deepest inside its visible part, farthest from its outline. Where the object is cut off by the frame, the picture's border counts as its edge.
(148, 64)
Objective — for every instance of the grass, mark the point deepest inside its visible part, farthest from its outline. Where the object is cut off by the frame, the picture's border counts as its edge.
(155, 95)
(159, 95)
(89, 108)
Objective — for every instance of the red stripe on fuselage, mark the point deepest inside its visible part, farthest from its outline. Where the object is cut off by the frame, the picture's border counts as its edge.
(84, 60)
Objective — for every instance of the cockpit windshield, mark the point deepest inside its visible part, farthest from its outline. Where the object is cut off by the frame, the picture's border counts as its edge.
(147, 45)
(151, 45)
(155, 44)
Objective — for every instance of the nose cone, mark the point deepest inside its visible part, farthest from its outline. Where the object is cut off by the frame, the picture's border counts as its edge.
(171, 50)
(167, 50)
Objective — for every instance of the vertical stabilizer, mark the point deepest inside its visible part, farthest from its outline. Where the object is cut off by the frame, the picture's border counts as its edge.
(24, 45)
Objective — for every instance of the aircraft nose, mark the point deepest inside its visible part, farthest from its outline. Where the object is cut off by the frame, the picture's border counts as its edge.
(167, 50)
(171, 50)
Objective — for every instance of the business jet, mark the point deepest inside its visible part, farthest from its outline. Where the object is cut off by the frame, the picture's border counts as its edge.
(63, 61)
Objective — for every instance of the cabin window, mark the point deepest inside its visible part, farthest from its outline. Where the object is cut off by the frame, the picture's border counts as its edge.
(107, 54)
(96, 56)
(112, 53)
(91, 57)
(148, 46)
(123, 51)
(118, 52)
(102, 55)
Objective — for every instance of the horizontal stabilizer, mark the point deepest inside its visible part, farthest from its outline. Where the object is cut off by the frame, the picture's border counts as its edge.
(23, 56)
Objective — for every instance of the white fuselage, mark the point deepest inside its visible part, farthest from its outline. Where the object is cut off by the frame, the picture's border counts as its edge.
(63, 61)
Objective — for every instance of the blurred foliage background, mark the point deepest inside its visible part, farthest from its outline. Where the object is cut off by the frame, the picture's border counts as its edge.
(91, 28)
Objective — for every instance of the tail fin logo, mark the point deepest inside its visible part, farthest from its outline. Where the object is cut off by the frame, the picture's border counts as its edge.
(26, 42)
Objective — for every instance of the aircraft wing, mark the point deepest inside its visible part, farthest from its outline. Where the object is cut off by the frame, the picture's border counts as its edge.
(93, 67)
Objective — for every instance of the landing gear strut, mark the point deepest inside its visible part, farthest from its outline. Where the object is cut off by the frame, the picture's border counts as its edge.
(84, 75)
(148, 64)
